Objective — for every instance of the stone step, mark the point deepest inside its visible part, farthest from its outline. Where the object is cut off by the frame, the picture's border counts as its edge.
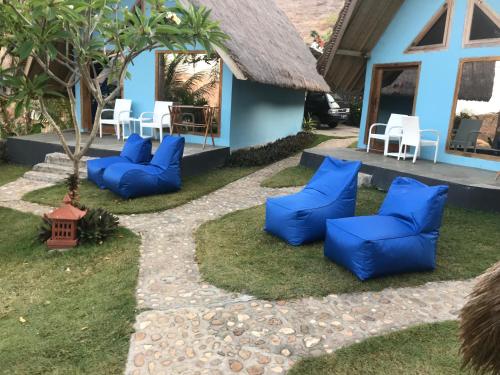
(44, 177)
(61, 159)
(62, 170)
(364, 180)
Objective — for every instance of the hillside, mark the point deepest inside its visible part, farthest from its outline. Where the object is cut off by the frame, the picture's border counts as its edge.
(308, 15)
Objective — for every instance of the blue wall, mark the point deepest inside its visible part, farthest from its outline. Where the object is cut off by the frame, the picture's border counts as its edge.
(262, 113)
(140, 88)
(438, 73)
(251, 113)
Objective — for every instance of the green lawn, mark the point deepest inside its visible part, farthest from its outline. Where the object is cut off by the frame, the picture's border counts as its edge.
(235, 253)
(68, 313)
(193, 187)
(424, 350)
(289, 177)
(11, 172)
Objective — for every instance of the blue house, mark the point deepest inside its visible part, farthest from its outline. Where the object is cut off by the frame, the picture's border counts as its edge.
(436, 59)
(258, 82)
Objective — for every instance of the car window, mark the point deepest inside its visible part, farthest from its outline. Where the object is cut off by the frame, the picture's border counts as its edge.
(331, 101)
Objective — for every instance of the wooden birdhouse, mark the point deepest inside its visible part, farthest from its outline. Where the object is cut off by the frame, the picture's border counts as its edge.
(64, 225)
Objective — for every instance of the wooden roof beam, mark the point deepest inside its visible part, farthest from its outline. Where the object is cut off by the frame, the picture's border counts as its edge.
(346, 52)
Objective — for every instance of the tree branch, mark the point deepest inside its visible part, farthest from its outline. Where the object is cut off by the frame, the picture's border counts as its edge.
(59, 133)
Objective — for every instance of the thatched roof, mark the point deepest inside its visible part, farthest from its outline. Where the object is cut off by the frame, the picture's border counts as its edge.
(265, 47)
(360, 25)
(477, 82)
(400, 83)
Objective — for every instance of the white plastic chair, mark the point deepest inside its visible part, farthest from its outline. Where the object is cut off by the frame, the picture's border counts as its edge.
(412, 137)
(393, 132)
(158, 119)
(121, 116)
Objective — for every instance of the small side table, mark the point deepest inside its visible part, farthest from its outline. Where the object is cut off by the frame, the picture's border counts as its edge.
(131, 123)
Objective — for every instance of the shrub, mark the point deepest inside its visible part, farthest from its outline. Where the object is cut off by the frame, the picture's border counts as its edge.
(95, 227)
(272, 152)
(45, 229)
(309, 123)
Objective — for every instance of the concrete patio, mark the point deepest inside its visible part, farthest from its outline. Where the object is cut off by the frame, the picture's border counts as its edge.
(469, 187)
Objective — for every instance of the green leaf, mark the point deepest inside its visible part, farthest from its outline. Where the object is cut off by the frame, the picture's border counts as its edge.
(25, 49)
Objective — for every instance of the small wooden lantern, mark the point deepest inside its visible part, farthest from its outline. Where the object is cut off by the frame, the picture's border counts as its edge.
(64, 225)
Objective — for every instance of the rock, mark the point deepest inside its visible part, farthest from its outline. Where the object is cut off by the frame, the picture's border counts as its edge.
(287, 331)
(311, 341)
(239, 331)
(264, 359)
(190, 352)
(286, 352)
(235, 366)
(243, 317)
(255, 370)
(244, 354)
(139, 360)
(209, 315)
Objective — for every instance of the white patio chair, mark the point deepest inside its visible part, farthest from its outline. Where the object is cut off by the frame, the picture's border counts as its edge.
(158, 119)
(121, 116)
(393, 131)
(412, 137)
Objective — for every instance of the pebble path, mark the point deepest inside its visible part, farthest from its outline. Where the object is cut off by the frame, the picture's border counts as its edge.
(190, 327)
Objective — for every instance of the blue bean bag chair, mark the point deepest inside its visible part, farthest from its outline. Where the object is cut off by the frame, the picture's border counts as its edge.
(331, 193)
(162, 175)
(136, 150)
(401, 238)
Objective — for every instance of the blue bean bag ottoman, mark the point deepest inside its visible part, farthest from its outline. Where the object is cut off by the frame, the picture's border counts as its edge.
(401, 238)
(136, 150)
(331, 193)
(162, 175)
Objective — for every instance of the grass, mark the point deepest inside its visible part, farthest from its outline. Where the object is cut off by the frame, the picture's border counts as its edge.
(289, 177)
(68, 313)
(193, 187)
(430, 349)
(235, 253)
(11, 172)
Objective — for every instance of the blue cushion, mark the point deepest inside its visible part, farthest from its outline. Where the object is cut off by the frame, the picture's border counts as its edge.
(96, 167)
(137, 149)
(301, 218)
(415, 202)
(402, 238)
(135, 180)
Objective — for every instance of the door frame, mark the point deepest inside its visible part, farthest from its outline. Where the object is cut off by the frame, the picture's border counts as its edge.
(375, 87)
(86, 107)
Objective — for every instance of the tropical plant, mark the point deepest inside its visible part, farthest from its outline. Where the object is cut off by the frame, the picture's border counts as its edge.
(77, 36)
(194, 89)
(96, 226)
(309, 123)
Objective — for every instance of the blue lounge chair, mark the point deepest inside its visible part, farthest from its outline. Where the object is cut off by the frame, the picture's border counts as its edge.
(401, 238)
(331, 193)
(162, 175)
(136, 150)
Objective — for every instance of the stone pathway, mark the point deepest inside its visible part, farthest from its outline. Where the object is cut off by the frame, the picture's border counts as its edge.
(191, 327)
